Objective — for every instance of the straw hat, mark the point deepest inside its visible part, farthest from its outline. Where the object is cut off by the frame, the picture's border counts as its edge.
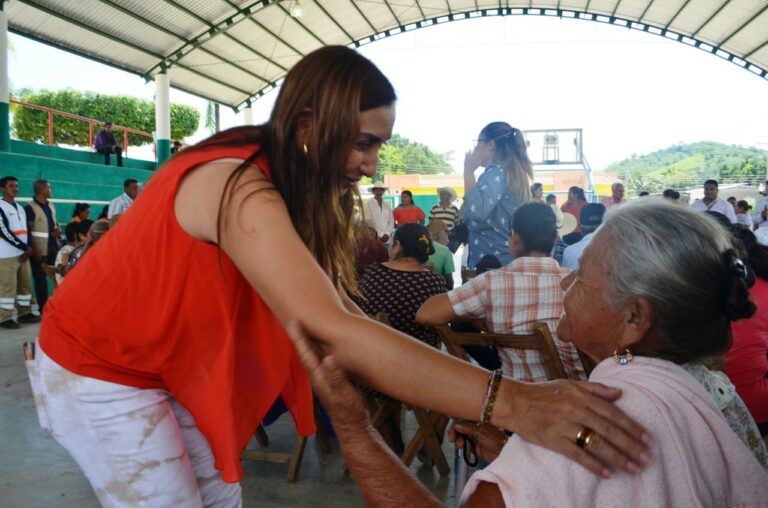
(566, 222)
(378, 183)
(450, 191)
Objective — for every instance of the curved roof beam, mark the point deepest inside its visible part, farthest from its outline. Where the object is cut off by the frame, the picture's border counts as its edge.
(571, 14)
(710, 29)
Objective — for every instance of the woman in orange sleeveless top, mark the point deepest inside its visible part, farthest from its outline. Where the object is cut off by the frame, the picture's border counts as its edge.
(160, 355)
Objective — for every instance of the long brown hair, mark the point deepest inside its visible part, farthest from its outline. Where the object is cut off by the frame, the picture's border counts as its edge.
(331, 86)
(512, 155)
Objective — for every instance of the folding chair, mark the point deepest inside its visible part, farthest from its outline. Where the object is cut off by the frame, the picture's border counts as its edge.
(540, 340)
(294, 458)
(467, 275)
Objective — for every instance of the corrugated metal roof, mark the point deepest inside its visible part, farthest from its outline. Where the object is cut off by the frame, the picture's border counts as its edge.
(233, 51)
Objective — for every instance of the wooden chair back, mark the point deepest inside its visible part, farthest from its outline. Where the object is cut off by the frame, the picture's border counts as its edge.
(467, 275)
(540, 340)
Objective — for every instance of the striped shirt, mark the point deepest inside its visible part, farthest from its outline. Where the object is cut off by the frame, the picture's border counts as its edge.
(447, 214)
(512, 300)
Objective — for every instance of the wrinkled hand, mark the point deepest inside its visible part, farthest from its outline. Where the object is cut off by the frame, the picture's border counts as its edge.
(490, 440)
(471, 161)
(552, 414)
(340, 399)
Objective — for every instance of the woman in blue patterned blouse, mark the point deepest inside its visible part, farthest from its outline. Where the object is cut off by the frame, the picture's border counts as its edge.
(490, 200)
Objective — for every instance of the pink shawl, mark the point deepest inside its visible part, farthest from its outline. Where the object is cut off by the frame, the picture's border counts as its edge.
(698, 460)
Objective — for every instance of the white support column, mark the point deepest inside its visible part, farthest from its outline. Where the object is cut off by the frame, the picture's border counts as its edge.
(163, 116)
(5, 120)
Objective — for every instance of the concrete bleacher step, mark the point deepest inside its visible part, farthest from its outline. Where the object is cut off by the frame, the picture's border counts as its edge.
(70, 180)
(67, 154)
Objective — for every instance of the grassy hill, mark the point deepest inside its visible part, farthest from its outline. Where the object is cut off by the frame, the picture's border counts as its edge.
(686, 165)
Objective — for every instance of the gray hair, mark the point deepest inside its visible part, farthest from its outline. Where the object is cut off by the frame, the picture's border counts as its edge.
(681, 262)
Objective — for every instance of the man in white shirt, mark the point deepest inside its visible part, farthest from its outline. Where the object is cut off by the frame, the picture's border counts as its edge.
(378, 215)
(712, 203)
(121, 203)
(617, 196)
(591, 218)
(15, 271)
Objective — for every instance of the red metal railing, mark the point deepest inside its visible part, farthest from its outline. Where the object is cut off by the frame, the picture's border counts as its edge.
(91, 123)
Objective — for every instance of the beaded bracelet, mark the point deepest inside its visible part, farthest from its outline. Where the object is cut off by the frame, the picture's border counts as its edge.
(490, 397)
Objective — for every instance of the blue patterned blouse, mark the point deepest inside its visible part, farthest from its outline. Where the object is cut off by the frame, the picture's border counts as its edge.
(488, 209)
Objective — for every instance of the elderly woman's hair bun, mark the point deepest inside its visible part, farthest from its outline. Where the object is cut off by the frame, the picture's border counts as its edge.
(739, 279)
(415, 241)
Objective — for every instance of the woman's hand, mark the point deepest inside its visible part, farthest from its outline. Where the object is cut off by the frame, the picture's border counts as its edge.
(488, 444)
(340, 399)
(552, 414)
(471, 161)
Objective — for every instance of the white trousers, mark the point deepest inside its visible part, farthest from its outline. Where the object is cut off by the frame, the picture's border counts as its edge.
(137, 447)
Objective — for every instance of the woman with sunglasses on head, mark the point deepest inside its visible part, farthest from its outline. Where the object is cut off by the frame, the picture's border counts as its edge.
(156, 390)
(490, 200)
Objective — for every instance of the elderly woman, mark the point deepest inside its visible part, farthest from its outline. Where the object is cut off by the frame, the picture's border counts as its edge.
(655, 294)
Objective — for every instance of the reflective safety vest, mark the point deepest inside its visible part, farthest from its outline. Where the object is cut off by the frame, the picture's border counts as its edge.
(40, 227)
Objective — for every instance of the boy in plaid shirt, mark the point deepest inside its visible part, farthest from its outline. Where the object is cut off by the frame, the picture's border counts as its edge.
(512, 299)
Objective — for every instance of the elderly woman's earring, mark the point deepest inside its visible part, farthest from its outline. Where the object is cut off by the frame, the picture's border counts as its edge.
(622, 359)
(305, 148)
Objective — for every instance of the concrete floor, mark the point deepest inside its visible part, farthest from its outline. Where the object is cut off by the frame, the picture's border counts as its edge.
(36, 472)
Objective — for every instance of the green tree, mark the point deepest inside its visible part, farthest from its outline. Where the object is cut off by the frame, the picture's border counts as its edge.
(401, 155)
(139, 114)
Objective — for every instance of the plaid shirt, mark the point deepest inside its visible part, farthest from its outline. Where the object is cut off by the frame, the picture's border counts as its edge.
(557, 252)
(513, 299)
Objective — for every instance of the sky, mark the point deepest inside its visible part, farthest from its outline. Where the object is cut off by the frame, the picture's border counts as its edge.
(631, 92)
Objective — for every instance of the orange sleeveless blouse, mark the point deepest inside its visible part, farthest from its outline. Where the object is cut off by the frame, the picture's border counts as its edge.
(151, 307)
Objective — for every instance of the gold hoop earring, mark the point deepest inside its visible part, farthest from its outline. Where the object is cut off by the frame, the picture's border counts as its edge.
(305, 149)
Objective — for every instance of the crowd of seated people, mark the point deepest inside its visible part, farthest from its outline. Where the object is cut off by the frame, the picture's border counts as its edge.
(656, 295)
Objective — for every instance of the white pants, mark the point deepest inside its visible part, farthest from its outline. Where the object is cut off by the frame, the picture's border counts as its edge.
(137, 447)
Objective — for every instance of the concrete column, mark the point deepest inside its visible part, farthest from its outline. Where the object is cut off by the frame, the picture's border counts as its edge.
(248, 116)
(5, 119)
(162, 116)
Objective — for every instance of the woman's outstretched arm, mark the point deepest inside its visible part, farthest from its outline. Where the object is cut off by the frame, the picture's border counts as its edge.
(260, 239)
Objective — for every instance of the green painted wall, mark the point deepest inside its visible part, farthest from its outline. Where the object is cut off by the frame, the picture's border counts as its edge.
(425, 203)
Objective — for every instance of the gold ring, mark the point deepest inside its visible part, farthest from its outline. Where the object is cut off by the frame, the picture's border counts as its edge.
(584, 437)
